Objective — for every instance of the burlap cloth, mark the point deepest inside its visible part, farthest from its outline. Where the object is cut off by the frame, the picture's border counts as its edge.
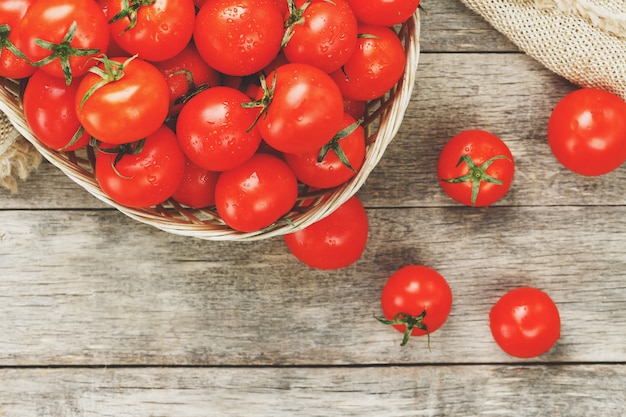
(582, 40)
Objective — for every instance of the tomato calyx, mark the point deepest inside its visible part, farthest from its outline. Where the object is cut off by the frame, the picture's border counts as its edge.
(5, 42)
(477, 174)
(112, 71)
(410, 322)
(335, 146)
(63, 51)
(129, 11)
(264, 101)
(296, 17)
(120, 151)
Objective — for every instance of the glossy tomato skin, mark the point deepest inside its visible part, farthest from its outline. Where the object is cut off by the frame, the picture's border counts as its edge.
(150, 177)
(480, 146)
(305, 112)
(331, 171)
(49, 110)
(413, 289)
(337, 241)
(125, 110)
(376, 65)
(326, 35)
(587, 131)
(384, 12)
(51, 21)
(162, 29)
(197, 188)
(525, 322)
(215, 131)
(256, 193)
(238, 37)
(11, 65)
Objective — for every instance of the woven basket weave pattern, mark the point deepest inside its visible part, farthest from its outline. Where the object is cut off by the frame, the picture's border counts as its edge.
(382, 121)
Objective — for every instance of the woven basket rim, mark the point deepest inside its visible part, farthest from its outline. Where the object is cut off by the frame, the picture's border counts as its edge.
(389, 124)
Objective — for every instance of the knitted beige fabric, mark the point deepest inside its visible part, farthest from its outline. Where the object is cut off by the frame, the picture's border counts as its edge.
(17, 156)
(582, 40)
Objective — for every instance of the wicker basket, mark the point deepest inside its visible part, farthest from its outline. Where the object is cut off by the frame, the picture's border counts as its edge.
(382, 121)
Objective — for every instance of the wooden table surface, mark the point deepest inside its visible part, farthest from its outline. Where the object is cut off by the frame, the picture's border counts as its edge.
(103, 316)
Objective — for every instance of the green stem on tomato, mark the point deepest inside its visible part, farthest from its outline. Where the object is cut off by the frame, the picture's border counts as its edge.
(410, 322)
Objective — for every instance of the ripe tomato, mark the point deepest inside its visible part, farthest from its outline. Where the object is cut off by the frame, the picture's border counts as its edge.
(238, 37)
(525, 322)
(475, 168)
(336, 241)
(341, 158)
(305, 109)
(384, 12)
(146, 173)
(320, 33)
(49, 110)
(376, 65)
(156, 30)
(61, 36)
(416, 300)
(129, 108)
(587, 131)
(213, 129)
(197, 188)
(256, 194)
(12, 62)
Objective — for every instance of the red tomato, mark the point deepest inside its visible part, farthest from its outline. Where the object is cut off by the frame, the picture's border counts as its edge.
(72, 32)
(185, 74)
(197, 188)
(131, 107)
(256, 194)
(416, 300)
(355, 108)
(214, 129)
(147, 174)
(305, 110)
(475, 168)
(12, 62)
(49, 110)
(384, 12)
(238, 37)
(587, 131)
(336, 241)
(157, 31)
(376, 65)
(525, 322)
(341, 159)
(321, 33)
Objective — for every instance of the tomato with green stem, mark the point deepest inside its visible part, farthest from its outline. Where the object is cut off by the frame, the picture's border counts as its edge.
(525, 322)
(13, 62)
(416, 300)
(475, 168)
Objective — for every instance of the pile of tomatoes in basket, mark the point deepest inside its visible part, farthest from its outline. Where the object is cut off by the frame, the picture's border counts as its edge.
(226, 103)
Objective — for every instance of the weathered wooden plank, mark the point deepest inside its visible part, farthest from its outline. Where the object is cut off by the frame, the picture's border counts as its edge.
(520, 391)
(93, 287)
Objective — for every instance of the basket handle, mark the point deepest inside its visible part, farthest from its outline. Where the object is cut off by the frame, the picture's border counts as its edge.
(598, 16)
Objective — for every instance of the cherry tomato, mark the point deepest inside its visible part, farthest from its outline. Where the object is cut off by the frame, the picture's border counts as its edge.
(255, 194)
(525, 322)
(215, 131)
(587, 131)
(320, 33)
(475, 168)
(146, 173)
(197, 188)
(376, 65)
(384, 12)
(305, 110)
(341, 158)
(61, 36)
(12, 61)
(157, 31)
(336, 241)
(129, 108)
(50, 112)
(238, 37)
(416, 300)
